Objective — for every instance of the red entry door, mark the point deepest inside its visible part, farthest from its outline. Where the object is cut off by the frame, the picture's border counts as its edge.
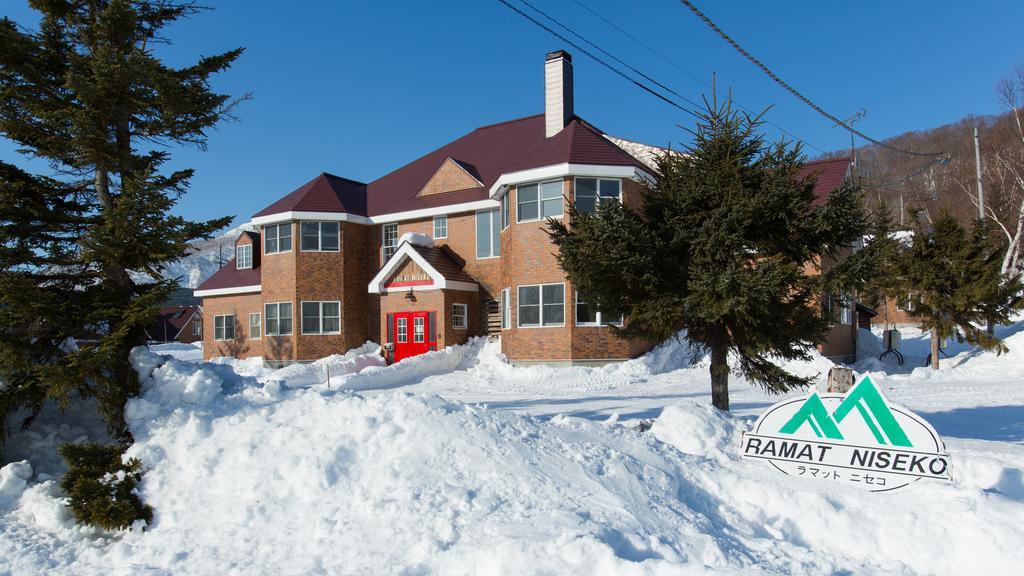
(413, 334)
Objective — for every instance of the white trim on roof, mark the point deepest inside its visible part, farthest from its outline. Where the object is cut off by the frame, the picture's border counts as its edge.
(406, 251)
(380, 219)
(437, 211)
(226, 291)
(302, 215)
(567, 169)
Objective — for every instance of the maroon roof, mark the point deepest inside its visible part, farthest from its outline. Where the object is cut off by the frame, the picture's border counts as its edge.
(445, 262)
(830, 175)
(231, 277)
(325, 193)
(170, 320)
(578, 143)
(487, 153)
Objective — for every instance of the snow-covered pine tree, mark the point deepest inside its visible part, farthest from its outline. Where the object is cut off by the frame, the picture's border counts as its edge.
(728, 246)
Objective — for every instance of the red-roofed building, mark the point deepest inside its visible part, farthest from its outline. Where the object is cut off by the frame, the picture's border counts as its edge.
(177, 324)
(325, 271)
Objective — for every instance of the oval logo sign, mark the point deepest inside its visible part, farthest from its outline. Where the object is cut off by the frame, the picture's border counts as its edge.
(857, 438)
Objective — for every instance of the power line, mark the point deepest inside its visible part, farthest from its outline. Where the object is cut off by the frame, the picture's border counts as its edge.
(610, 55)
(792, 90)
(587, 53)
(687, 72)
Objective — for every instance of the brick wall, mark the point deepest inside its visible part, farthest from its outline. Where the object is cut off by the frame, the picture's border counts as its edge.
(450, 177)
(241, 305)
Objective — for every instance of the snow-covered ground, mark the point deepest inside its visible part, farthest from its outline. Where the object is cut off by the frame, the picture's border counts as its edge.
(456, 463)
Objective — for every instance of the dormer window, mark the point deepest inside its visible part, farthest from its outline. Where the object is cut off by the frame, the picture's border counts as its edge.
(243, 256)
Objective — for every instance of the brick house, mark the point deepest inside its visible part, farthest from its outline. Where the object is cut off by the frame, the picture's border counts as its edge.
(325, 269)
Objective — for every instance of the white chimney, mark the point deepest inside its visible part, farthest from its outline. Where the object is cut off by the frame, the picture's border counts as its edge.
(557, 92)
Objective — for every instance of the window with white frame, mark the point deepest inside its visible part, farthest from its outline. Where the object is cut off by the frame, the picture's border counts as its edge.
(197, 327)
(243, 256)
(537, 201)
(224, 327)
(278, 316)
(906, 303)
(460, 316)
(505, 201)
(441, 226)
(506, 308)
(319, 236)
(589, 315)
(321, 317)
(255, 326)
(418, 329)
(845, 309)
(542, 305)
(592, 191)
(403, 330)
(277, 238)
(390, 240)
(488, 234)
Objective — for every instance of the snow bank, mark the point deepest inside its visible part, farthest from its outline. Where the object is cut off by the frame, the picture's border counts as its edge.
(416, 239)
(266, 474)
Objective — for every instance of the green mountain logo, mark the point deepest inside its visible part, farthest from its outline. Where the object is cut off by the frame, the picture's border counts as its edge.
(869, 405)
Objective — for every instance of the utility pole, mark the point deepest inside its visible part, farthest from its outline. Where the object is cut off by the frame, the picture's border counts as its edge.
(977, 169)
(849, 122)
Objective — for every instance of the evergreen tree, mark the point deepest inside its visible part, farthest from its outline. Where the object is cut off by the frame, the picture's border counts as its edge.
(728, 246)
(87, 93)
(954, 276)
(42, 305)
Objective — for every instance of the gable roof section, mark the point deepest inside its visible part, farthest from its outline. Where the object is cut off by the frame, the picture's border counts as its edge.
(830, 174)
(325, 193)
(445, 271)
(451, 176)
(230, 280)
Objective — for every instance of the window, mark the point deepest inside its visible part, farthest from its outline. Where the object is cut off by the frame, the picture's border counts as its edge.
(589, 315)
(197, 327)
(845, 310)
(417, 329)
(440, 226)
(277, 238)
(542, 305)
(255, 326)
(590, 191)
(403, 330)
(504, 210)
(460, 316)
(318, 236)
(321, 317)
(536, 201)
(906, 304)
(279, 318)
(243, 256)
(390, 240)
(829, 304)
(506, 308)
(224, 327)
(488, 234)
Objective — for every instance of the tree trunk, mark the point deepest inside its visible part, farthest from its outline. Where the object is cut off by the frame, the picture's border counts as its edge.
(720, 377)
(935, 348)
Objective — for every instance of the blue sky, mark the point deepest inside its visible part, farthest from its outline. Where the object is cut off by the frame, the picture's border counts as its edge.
(360, 88)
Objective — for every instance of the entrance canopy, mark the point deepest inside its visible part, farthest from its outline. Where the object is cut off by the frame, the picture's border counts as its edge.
(422, 268)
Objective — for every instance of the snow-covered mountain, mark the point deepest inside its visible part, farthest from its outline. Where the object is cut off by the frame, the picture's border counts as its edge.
(207, 257)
